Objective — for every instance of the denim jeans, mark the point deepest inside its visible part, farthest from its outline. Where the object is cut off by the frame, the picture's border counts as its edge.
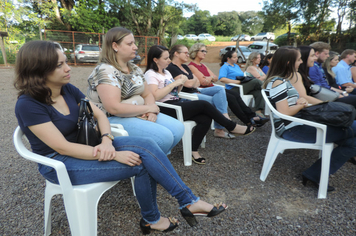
(166, 131)
(155, 168)
(217, 97)
(343, 137)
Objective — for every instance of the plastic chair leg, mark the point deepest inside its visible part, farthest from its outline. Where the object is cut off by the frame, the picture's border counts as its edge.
(187, 143)
(271, 155)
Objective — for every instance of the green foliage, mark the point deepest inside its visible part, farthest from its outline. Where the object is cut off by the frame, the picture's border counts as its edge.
(220, 38)
(199, 23)
(252, 22)
(226, 23)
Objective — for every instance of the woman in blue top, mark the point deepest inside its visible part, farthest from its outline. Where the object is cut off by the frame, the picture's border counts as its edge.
(285, 98)
(230, 70)
(47, 112)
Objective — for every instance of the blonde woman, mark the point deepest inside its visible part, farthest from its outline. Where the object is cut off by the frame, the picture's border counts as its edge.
(206, 77)
(216, 96)
(252, 69)
(118, 87)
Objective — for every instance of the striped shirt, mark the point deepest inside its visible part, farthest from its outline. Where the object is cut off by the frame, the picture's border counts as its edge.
(283, 91)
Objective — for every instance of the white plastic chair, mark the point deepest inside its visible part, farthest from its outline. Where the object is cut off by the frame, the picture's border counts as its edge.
(187, 136)
(248, 99)
(80, 201)
(278, 145)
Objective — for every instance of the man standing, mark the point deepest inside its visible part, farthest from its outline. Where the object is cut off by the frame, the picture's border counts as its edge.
(316, 73)
(343, 69)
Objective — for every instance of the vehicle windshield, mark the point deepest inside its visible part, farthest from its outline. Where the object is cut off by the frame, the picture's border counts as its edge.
(90, 48)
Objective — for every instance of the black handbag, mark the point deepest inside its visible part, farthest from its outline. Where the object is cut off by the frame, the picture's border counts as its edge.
(88, 130)
(336, 114)
(244, 79)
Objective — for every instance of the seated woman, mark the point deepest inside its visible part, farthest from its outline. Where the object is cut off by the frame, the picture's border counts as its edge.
(264, 65)
(47, 112)
(230, 70)
(329, 63)
(206, 78)
(252, 69)
(165, 89)
(214, 95)
(285, 98)
(302, 83)
(118, 87)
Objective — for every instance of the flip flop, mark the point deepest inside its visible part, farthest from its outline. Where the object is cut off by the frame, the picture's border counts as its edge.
(199, 161)
(226, 135)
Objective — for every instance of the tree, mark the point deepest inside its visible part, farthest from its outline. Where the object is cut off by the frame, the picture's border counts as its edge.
(252, 22)
(226, 23)
(198, 23)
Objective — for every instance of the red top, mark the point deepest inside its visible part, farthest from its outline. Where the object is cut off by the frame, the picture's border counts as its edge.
(204, 70)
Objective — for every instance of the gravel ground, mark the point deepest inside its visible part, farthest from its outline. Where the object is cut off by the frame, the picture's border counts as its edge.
(279, 206)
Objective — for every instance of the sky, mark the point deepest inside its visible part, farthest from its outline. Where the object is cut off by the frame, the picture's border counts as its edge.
(215, 6)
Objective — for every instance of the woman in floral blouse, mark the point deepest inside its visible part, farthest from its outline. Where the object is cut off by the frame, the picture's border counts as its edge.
(118, 87)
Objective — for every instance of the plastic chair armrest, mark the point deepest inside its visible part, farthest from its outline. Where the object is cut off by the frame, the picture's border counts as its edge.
(178, 109)
(188, 96)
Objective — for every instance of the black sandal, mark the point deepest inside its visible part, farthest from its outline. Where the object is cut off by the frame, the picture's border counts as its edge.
(247, 132)
(190, 217)
(199, 161)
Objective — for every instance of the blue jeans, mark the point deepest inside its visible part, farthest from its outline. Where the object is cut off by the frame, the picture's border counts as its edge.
(155, 168)
(166, 131)
(217, 97)
(343, 137)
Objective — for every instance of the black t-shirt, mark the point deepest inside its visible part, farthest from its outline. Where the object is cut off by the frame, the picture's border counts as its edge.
(175, 71)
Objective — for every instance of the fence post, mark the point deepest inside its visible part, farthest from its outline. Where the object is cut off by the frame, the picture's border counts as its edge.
(3, 34)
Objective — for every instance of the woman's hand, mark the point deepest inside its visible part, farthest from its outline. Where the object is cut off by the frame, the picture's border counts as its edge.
(128, 158)
(182, 79)
(151, 117)
(106, 149)
(153, 108)
(349, 89)
(303, 102)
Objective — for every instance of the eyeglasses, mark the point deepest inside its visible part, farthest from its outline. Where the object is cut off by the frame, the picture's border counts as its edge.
(203, 51)
(186, 53)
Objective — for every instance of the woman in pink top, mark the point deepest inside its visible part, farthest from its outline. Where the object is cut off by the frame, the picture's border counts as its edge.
(206, 77)
(165, 89)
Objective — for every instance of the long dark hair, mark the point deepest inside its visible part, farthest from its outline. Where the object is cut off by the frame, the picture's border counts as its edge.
(265, 62)
(34, 62)
(303, 68)
(227, 55)
(174, 49)
(154, 52)
(283, 64)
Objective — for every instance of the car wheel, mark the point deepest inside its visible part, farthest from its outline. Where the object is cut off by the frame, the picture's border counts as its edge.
(252, 39)
(264, 39)
(240, 60)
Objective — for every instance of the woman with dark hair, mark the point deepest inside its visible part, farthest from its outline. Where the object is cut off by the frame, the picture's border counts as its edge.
(230, 70)
(285, 98)
(302, 83)
(264, 65)
(197, 53)
(165, 89)
(118, 88)
(214, 95)
(47, 112)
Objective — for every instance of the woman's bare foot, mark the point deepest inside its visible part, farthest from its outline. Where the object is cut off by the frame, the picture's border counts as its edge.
(242, 130)
(219, 132)
(197, 158)
(162, 224)
(201, 206)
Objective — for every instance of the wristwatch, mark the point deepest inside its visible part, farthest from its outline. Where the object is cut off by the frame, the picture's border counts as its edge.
(109, 136)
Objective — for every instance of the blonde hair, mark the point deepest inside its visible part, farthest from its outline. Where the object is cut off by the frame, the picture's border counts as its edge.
(326, 64)
(108, 55)
(194, 49)
(250, 59)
